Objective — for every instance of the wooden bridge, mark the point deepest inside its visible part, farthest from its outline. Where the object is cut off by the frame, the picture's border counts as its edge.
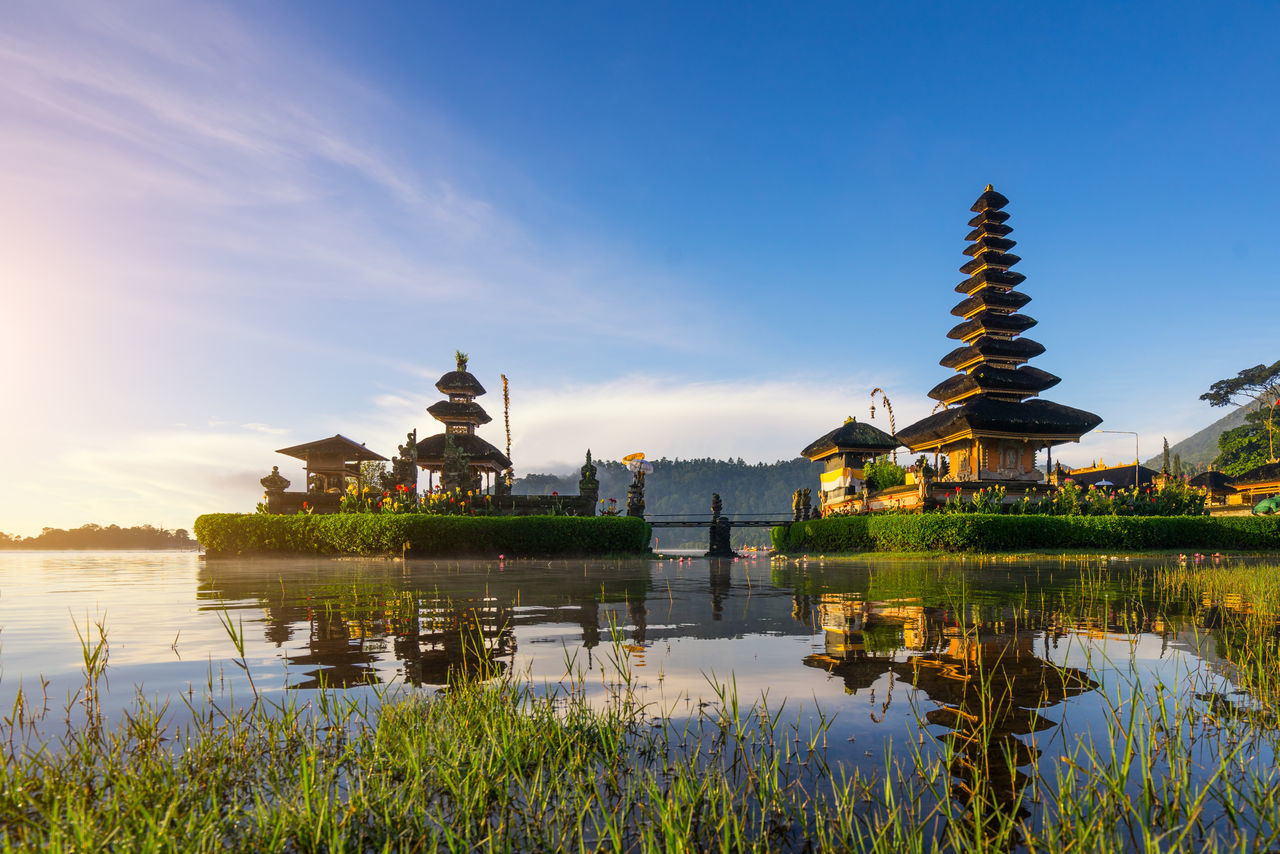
(718, 525)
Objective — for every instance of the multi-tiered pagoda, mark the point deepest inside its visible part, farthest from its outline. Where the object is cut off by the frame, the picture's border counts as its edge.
(994, 421)
(464, 460)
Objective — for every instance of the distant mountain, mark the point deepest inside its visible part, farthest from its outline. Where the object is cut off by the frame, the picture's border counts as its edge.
(1199, 449)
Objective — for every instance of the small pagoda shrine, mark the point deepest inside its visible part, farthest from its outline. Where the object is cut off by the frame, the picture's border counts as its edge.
(844, 452)
(463, 460)
(330, 464)
(994, 421)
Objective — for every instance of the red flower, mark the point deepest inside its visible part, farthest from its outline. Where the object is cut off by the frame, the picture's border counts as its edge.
(553, 492)
(305, 505)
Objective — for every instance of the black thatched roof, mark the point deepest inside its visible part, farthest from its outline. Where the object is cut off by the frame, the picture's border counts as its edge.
(448, 410)
(988, 298)
(851, 436)
(989, 201)
(351, 451)
(990, 276)
(431, 450)
(997, 349)
(991, 321)
(997, 228)
(1214, 481)
(990, 258)
(1264, 473)
(987, 242)
(1031, 418)
(1021, 382)
(459, 382)
(989, 216)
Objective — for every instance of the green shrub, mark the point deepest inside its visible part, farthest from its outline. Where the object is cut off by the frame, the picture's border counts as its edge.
(883, 473)
(225, 534)
(989, 532)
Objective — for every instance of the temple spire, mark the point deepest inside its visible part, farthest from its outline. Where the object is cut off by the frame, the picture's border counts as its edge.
(989, 362)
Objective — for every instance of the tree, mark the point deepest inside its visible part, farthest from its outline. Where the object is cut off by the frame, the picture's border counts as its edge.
(1261, 384)
(1165, 456)
(373, 473)
(1246, 447)
(1177, 465)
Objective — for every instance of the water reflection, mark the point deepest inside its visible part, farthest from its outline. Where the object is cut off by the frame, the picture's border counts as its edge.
(460, 627)
(987, 685)
(979, 656)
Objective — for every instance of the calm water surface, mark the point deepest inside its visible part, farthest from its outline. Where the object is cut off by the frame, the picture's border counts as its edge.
(877, 646)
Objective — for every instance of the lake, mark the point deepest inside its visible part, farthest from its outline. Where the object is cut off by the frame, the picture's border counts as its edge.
(878, 646)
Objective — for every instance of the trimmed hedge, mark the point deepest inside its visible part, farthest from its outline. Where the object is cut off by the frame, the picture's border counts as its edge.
(977, 532)
(229, 534)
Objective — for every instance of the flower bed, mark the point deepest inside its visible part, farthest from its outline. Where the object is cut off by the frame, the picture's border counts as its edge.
(989, 532)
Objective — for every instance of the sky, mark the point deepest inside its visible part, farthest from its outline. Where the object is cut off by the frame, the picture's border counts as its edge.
(688, 229)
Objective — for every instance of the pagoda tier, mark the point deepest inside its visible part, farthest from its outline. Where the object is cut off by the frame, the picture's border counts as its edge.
(993, 429)
(991, 299)
(473, 457)
(458, 412)
(998, 352)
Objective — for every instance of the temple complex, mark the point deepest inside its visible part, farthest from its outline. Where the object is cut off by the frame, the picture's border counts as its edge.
(462, 459)
(844, 452)
(992, 421)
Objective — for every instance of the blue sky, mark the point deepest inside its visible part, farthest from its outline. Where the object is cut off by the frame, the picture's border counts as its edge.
(689, 229)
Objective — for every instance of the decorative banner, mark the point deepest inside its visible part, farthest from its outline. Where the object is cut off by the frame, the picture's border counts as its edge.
(845, 478)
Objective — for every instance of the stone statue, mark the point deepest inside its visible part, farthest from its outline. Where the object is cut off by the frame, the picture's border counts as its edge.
(720, 530)
(635, 495)
(1267, 506)
(795, 505)
(274, 482)
(806, 505)
(404, 468)
(456, 474)
(502, 486)
(589, 486)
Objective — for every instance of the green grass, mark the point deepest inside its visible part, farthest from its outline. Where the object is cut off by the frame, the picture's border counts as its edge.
(500, 764)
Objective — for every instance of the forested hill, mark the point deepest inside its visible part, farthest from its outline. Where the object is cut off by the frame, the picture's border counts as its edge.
(1199, 449)
(97, 537)
(685, 486)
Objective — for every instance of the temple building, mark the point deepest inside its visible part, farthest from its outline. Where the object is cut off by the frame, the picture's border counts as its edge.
(461, 458)
(331, 462)
(1218, 486)
(844, 452)
(993, 422)
(1117, 476)
(1257, 484)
